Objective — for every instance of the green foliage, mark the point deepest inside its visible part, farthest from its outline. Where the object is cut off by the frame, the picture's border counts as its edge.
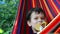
(8, 11)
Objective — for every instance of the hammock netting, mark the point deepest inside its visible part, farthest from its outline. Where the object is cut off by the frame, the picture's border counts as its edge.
(51, 8)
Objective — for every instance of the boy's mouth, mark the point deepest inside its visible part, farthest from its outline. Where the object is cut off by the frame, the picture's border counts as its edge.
(40, 26)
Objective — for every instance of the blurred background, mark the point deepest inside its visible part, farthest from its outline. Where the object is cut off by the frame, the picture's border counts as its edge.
(8, 12)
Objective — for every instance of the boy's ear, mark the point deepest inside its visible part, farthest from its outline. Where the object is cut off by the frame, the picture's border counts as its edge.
(28, 22)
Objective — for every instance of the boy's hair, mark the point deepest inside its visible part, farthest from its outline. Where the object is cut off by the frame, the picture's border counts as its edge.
(37, 10)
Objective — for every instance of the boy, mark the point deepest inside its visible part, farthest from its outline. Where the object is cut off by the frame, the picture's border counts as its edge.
(36, 19)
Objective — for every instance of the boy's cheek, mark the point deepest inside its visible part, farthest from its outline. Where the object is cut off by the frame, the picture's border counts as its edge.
(34, 21)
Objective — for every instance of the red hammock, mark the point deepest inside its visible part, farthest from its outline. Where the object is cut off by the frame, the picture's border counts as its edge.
(51, 8)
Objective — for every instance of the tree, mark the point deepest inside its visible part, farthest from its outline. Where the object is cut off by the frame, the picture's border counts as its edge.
(8, 11)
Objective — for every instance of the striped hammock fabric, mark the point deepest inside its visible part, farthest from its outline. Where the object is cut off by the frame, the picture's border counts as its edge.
(51, 8)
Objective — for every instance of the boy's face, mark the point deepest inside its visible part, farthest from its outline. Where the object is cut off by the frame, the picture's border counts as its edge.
(36, 19)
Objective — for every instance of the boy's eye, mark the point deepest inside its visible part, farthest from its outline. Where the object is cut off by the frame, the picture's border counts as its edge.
(36, 18)
(42, 18)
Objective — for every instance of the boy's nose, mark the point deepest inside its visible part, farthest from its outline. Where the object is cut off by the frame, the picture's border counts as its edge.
(39, 20)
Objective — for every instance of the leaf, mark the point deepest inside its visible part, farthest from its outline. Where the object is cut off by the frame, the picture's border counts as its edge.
(1, 31)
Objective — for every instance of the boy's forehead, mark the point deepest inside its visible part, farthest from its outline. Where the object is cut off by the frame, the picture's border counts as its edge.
(35, 14)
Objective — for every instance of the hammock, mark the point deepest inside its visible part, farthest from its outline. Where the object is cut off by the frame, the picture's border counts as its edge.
(51, 8)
